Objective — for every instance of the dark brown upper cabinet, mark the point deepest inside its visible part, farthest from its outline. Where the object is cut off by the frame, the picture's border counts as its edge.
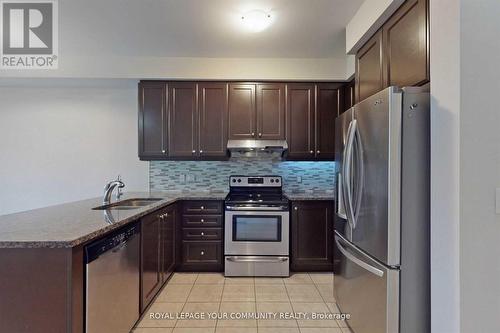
(300, 120)
(183, 134)
(406, 40)
(329, 100)
(369, 68)
(153, 122)
(312, 236)
(398, 54)
(310, 112)
(271, 111)
(349, 95)
(257, 111)
(242, 111)
(212, 123)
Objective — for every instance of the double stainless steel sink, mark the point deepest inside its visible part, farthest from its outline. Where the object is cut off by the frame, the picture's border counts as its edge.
(128, 204)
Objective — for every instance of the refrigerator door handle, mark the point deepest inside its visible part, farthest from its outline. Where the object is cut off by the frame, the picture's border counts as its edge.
(360, 175)
(358, 261)
(347, 173)
(340, 199)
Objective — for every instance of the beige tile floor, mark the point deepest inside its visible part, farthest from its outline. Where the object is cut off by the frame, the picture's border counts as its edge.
(212, 293)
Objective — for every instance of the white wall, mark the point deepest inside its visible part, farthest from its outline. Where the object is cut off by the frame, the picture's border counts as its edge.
(465, 166)
(141, 67)
(368, 19)
(480, 166)
(445, 165)
(62, 140)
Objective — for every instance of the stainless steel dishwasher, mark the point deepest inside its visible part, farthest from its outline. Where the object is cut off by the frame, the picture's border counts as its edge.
(112, 282)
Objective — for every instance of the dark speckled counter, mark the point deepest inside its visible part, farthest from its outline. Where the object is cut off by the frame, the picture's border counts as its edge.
(69, 225)
(310, 195)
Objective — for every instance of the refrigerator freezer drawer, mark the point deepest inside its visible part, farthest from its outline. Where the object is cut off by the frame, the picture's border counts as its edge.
(366, 290)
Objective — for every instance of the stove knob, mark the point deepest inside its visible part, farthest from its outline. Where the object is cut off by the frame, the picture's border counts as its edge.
(277, 180)
(272, 180)
(234, 180)
(239, 180)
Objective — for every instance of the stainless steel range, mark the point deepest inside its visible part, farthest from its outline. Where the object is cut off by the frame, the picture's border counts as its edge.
(257, 227)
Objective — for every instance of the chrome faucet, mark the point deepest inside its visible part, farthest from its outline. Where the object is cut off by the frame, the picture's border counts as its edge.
(108, 190)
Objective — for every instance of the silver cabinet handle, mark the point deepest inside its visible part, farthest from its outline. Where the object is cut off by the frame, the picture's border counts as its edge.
(317, 152)
(202, 220)
(202, 233)
(202, 207)
(311, 151)
(202, 253)
(253, 133)
(260, 135)
(201, 151)
(194, 151)
(295, 208)
(163, 151)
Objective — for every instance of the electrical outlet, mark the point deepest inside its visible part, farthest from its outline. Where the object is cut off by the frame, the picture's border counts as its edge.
(299, 179)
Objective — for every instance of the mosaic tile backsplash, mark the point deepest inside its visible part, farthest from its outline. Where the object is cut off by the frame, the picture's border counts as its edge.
(214, 175)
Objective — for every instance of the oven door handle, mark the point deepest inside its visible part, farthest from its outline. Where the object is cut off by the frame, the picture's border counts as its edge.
(250, 259)
(250, 209)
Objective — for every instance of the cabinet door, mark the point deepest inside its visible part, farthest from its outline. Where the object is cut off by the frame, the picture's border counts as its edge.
(369, 68)
(329, 101)
(152, 120)
(300, 120)
(312, 236)
(212, 99)
(151, 276)
(242, 111)
(183, 140)
(271, 111)
(168, 241)
(406, 45)
(349, 96)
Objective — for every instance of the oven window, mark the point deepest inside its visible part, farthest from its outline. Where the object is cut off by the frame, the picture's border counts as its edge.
(257, 228)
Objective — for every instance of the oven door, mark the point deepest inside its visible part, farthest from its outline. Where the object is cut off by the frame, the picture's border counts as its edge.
(256, 233)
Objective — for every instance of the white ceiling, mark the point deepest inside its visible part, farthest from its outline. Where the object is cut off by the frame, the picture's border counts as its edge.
(203, 28)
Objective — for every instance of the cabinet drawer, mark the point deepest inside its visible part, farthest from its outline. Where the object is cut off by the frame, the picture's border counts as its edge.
(202, 252)
(202, 234)
(202, 207)
(202, 220)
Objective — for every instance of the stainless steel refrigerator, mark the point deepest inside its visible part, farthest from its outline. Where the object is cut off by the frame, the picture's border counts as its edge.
(382, 212)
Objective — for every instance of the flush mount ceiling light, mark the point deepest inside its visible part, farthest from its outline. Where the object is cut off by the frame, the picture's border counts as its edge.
(256, 20)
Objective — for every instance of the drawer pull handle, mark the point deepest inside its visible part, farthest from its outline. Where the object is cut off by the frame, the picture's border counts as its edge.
(202, 207)
(203, 234)
(202, 220)
(202, 253)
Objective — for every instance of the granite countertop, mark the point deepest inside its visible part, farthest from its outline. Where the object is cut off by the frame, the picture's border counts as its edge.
(311, 195)
(71, 224)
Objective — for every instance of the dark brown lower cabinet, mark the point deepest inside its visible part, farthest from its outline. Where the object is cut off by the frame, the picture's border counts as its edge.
(312, 236)
(202, 236)
(169, 216)
(151, 267)
(158, 259)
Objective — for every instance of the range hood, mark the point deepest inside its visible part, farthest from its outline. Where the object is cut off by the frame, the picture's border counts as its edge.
(257, 145)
